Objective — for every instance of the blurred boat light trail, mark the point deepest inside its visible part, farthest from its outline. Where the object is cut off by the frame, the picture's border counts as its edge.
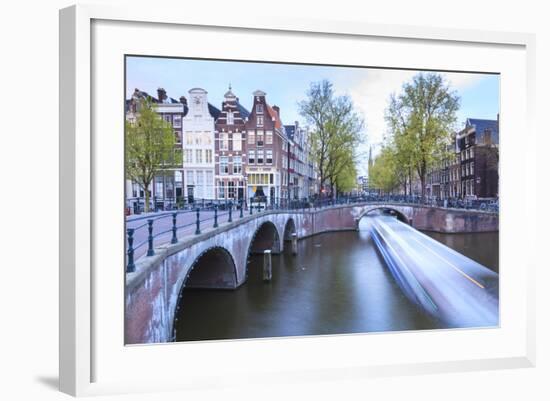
(448, 285)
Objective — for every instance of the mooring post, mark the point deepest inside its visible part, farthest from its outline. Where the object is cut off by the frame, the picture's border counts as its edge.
(267, 265)
(215, 216)
(251, 208)
(241, 209)
(294, 243)
(230, 219)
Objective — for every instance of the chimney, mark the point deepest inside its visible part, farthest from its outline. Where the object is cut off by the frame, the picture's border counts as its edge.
(161, 94)
(277, 110)
(183, 100)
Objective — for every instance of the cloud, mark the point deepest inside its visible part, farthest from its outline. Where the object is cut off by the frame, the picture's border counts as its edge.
(370, 90)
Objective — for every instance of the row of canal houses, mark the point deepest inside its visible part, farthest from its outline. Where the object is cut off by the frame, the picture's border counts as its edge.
(471, 170)
(227, 154)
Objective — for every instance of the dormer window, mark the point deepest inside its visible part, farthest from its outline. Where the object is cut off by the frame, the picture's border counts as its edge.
(259, 108)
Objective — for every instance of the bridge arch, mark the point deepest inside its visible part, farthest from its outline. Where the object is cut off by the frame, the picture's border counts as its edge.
(265, 237)
(290, 228)
(401, 216)
(214, 268)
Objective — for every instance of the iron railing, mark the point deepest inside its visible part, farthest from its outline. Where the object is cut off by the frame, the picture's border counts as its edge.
(213, 212)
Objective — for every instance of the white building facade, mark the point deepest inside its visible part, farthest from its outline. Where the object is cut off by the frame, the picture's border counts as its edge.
(198, 146)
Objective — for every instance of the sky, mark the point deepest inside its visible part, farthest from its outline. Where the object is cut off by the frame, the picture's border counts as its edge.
(287, 84)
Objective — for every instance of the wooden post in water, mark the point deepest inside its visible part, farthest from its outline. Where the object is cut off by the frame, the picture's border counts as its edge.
(294, 243)
(267, 265)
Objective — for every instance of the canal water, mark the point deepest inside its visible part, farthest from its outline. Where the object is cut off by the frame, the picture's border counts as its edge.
(337, 284)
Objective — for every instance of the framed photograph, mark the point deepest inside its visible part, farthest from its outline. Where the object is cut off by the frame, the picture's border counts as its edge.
(289, 200)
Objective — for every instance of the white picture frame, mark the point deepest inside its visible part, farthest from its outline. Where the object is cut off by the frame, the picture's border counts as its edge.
(82, 328)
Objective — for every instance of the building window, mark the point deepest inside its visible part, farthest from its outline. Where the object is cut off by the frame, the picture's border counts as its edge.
(177, 134)
(237, 165)
(269, 137)
(259, 108)
(230, 118)
(231, 190)
(177, 121)
(197, 140)
(198, 155)
(188, 156)
(221, 190)
(166, 118)
(260, 157)
(251, 137)
(224, 165)
(269, 156)
(259, 139)
(209, 177)
(208, 155)
(260, 121)
(251, 157)
(237, 141)
(190, 178)
(200, 177)
(224, 141)
(159, 187)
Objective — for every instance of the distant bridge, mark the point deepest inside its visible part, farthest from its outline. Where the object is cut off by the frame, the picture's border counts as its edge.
(217, 257)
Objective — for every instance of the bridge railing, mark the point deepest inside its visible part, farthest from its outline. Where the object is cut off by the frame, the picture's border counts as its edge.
(144, 232)
(163, 227)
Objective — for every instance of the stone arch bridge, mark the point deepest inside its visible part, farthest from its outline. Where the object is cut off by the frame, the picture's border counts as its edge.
(218, 257)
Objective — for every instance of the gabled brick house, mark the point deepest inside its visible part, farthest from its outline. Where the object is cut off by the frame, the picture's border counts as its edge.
(266, 150)
(230, 149)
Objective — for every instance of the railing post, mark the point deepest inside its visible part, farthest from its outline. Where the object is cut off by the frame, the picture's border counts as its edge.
(241, 208)
(150, 251)
(230, 212)
(174, 229)
(215, 216)
(198, 230)
(251, 208)
(131, 265)
(259, 207)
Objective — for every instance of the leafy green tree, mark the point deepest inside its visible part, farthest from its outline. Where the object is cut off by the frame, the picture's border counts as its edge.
(335, 134)
(346, 179)
(149, 147)
(421, 119)
(383, 173)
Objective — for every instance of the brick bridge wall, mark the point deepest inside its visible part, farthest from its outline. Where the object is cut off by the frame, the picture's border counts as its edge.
(153, 290)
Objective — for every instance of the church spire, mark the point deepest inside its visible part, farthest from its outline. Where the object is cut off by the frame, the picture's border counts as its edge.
(370, 157)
